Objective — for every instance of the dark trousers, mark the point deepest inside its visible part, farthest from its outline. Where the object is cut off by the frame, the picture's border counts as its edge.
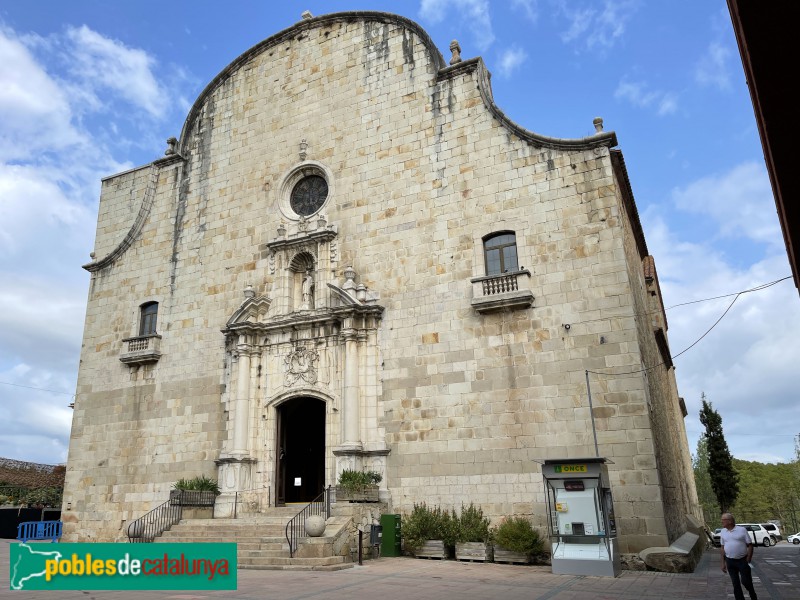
(739, 567)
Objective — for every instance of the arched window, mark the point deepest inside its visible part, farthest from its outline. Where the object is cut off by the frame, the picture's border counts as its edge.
(500, 251)
(148, 317)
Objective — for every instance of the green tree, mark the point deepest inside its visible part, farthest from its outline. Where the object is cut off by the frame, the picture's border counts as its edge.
(702, 481)
(724, 478)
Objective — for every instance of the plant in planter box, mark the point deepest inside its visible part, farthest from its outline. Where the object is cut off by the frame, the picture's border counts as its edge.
(359, 486)
(472, 534)
(430, 531)
(515, 540)
(198, 491)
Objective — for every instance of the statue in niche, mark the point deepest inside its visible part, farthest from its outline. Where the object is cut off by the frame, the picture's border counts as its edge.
(307, 291)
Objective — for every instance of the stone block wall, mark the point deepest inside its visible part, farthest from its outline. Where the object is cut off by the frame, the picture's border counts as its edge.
(423, 166)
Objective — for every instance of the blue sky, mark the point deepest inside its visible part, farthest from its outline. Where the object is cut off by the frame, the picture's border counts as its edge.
(90, 88)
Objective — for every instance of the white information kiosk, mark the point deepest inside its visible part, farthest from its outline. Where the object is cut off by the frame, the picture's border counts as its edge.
(583, 533)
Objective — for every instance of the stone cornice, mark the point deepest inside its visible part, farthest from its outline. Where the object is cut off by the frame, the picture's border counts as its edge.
(325, 235)
(136, 228)
(484, 85)
(295, 31)
(305, 319)
(628, 201)
(444, 72)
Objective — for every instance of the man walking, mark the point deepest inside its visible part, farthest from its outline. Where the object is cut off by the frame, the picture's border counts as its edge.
(737, 552)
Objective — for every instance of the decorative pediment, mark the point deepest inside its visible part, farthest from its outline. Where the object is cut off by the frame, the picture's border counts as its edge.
(252, 310)
(342, 296)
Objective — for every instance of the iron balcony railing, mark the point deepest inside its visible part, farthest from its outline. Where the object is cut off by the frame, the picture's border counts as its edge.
(296, 528)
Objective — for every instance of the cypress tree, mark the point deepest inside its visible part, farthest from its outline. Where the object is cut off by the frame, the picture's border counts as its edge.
(724, 478)
(702, 481)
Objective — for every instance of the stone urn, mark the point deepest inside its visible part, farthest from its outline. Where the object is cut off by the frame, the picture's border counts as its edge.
(315, 526)
(135, 529)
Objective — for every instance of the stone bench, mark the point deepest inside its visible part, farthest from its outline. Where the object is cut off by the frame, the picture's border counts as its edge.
(679, 557)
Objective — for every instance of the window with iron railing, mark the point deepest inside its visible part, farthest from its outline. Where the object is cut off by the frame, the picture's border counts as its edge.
(506, 286)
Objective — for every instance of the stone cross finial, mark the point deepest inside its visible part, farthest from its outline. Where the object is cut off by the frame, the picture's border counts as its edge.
(306, 15)
(303, 149)
(598, 124)
(455, 48)
(171, 143)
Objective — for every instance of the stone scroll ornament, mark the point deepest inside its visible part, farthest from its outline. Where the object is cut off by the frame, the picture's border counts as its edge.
(301, 364)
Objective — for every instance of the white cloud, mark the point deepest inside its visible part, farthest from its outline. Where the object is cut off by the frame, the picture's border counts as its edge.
(36, 111)
(739, 202)
(511, 59)
(55, 145)
(748, 358)
(433, 11)
(474, 14)
(529, 7)
(101, 62)
(640, 96)
(712, 68)
(596, 26)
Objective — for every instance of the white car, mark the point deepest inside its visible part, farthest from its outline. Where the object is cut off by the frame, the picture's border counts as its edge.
(774, 531)
(758, 534)
(794, 539)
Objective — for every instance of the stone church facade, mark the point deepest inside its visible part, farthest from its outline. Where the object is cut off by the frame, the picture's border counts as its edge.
(352, 258)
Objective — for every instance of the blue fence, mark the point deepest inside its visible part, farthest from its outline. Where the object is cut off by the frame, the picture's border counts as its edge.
(39, 530)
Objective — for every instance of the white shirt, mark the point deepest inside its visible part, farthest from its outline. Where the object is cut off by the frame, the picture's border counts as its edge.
(735, 541)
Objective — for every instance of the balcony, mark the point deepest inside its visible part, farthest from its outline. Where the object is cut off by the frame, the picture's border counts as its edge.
(507, 291)
(141, 350)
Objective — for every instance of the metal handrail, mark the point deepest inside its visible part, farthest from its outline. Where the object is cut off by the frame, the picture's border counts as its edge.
(145, 529)
(321, 505)
(148, 527)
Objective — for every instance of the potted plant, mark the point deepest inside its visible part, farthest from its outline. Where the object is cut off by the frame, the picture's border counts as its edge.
(358, 486)
(516, 541)
(472, 535)
(198, 491)
(429, 532)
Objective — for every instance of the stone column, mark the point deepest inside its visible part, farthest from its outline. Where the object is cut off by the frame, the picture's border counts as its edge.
(352, 433)
(242, 410)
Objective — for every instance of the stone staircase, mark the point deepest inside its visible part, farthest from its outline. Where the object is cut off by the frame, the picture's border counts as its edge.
(261, 540)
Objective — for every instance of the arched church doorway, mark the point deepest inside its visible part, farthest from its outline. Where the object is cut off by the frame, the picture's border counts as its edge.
(300, 467)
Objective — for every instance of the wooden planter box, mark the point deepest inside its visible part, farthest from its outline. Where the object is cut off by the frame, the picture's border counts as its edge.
(501, 555)
(474, 551)
(366, 494)
(432, 549)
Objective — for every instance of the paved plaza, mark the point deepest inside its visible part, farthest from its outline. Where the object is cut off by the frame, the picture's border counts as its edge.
(776, 575)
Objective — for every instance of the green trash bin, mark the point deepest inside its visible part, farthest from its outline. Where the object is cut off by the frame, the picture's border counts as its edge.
(390, 535)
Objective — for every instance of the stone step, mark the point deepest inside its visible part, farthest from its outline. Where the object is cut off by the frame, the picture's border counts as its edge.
(286, 562)
(261, 541)
(258, 553)
(278, 546)
(218, 533)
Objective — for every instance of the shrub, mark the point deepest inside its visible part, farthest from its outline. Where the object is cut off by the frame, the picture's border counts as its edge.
(353, 481)
(472, 525)
(429, 524)
(198, 484)
(518, 535)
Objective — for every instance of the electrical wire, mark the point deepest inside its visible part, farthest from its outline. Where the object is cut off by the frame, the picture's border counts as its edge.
(30, 387)
(658, 311)
(753, 289)
(693, 344)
